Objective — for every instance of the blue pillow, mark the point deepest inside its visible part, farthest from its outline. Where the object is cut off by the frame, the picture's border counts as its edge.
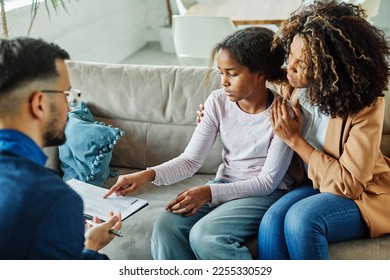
(87, 152)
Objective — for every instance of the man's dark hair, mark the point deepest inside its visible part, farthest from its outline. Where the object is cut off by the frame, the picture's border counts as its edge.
(24, 59)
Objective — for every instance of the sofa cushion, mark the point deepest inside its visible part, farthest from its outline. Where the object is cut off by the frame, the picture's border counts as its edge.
(87, 153)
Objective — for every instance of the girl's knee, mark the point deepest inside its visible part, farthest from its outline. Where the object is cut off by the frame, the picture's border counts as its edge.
(197, 235)
(201, 240)
(164, 225)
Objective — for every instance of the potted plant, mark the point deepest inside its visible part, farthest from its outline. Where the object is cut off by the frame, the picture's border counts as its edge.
(166, 39)
(169, 11)
(3, 20)
(57, 4)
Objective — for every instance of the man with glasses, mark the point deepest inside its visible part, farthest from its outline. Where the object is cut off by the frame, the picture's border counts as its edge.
(41, 216)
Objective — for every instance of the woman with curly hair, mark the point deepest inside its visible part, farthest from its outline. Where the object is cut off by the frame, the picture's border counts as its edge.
(338, 64)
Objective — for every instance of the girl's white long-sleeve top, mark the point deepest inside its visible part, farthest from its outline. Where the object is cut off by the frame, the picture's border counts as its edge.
(254, 159)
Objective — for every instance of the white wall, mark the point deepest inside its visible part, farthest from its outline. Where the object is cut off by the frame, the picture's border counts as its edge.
(156, 16)
(111, 31)
(382, 20)
(92, 30)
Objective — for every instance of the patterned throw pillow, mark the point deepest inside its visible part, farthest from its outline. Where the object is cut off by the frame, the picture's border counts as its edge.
(87, 152)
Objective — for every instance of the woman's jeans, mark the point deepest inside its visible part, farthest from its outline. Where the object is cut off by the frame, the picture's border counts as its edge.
(302, 222)
(212, 232)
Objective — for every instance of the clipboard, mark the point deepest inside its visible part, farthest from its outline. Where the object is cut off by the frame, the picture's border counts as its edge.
(96, 205)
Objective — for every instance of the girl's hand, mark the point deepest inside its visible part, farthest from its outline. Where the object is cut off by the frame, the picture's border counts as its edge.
(130, 182)
(188, 202)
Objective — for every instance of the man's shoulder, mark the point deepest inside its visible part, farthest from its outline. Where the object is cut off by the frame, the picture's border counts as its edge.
(34, 201)
(31, 180)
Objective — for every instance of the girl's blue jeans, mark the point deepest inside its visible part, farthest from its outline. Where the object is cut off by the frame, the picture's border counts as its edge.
(302, 223)
(212, 232)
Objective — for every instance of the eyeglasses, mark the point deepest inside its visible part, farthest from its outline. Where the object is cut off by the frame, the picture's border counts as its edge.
(72, 95)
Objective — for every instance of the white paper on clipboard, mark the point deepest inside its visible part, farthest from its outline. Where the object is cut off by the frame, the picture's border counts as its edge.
(96, 205)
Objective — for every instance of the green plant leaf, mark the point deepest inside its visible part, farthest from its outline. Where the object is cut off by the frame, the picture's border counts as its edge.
(56, 4)
(35, 5)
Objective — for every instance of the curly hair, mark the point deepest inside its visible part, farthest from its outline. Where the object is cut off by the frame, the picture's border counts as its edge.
(252, 47)
(347, 57)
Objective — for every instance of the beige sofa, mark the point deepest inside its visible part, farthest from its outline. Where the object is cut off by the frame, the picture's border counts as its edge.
(156, 107)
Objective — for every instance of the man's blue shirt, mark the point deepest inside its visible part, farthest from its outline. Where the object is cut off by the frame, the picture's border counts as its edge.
(41, 216)
(21, 145)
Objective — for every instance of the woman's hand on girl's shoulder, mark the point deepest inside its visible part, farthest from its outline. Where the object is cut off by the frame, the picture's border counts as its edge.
(199, 113)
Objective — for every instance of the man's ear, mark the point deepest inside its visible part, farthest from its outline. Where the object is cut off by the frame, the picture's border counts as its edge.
(37, 105)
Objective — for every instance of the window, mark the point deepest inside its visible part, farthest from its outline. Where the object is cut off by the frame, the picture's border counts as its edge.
(14, 4)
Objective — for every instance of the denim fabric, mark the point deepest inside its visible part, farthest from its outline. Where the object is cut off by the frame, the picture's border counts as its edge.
(302, 222)
(213, 232)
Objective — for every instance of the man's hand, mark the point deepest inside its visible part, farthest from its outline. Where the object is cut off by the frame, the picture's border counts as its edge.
(97, 237)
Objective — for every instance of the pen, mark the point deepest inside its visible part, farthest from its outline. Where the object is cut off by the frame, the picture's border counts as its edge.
(113, 231)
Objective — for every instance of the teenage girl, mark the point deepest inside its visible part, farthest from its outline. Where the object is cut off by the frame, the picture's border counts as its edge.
(212, 221)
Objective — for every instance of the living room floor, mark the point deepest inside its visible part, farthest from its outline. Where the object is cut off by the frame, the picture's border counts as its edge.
(151, 54)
